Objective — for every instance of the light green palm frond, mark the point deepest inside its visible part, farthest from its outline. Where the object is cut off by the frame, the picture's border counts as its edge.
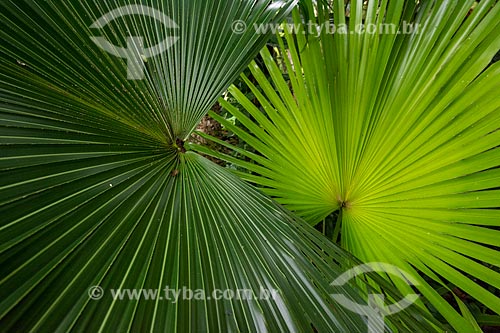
(396, 132)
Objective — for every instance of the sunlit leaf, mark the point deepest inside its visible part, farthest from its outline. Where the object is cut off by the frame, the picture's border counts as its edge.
(397, 131)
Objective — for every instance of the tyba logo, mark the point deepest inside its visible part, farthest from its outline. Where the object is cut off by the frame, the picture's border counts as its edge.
(135, 53)
(375, 310)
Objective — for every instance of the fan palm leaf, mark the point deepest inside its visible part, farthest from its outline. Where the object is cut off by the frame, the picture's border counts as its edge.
(397, 133)
(99, 195)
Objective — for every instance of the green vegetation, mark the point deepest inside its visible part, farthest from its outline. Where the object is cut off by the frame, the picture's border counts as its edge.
(391, 137)
(395, 134)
